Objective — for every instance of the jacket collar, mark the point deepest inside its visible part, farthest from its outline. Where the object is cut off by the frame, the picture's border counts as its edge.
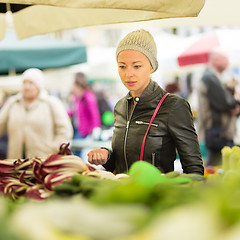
(152, 91)
(43, 96)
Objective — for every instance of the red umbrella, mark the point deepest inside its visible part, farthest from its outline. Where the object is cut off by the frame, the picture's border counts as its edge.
(198, 52)
(199, 47)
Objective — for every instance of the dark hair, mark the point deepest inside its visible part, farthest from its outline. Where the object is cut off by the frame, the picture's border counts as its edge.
(80, 80)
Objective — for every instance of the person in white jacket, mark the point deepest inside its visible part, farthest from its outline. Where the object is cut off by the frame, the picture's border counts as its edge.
(35, 122)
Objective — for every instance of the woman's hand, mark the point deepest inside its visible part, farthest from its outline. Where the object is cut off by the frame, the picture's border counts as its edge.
(98, 156)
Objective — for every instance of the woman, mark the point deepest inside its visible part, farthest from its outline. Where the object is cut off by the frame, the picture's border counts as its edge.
(172, 127)
(85, 112)
(36, 123)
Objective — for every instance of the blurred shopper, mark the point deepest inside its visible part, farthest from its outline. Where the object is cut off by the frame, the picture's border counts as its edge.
(172, 128)
(105, 110)
(217, 109)
(3, 146)
(4, 138)
(36, 123)
(84, 108)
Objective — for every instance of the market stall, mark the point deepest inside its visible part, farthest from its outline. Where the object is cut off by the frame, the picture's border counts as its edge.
(59, 15)
(63, 198)
(16, 56)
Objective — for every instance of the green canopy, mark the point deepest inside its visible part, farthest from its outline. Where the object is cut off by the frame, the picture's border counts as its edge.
(39, 52)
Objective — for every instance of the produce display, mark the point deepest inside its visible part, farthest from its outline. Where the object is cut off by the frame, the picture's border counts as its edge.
(63, 198)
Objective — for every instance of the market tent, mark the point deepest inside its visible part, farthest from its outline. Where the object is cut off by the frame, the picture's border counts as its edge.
(40, 52)
(198, 51)
(46, 16)
(200, 45)
(169, 46)
(214, 13)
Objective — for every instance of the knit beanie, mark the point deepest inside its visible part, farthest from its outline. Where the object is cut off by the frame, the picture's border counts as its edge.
(142, 41)
(36, 76)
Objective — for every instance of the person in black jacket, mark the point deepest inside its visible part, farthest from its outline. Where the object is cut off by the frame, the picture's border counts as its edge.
(172, 128)
(217, 108)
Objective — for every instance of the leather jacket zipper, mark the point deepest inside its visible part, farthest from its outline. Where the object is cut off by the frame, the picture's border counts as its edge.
(125, 137)
(146, 123)
(125, 143)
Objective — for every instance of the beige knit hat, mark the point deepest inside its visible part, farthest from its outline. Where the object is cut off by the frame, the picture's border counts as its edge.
(36, 76)
(142, 41)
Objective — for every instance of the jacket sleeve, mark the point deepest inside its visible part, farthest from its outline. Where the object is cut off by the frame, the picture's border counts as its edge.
(110, 164)
(182, 130)
(63, 131)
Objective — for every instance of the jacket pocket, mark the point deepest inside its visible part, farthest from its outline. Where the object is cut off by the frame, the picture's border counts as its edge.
(146, 123)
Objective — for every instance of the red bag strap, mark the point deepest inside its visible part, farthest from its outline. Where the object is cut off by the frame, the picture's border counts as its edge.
(153, 116)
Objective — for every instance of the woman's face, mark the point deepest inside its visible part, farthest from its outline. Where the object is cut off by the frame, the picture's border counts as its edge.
(30, 90)
(134, 70)
(78, 90)
(220, 62)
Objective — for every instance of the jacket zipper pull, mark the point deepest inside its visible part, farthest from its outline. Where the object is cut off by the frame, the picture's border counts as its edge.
(146, 123)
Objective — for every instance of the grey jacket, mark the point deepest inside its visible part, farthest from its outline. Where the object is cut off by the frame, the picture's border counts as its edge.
(171, 129)
(214, 101)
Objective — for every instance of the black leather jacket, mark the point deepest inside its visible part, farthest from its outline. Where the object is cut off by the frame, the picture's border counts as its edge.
(171, 129)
